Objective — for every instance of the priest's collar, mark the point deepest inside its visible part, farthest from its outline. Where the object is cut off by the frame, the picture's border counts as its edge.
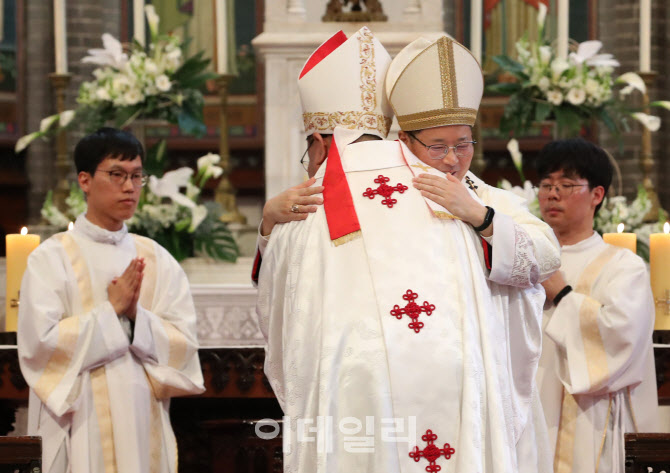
(99, 234)
(585, 244)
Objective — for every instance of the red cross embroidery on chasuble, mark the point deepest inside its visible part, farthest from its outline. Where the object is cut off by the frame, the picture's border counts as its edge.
(413, 310)
(431, 452)
(385, 191)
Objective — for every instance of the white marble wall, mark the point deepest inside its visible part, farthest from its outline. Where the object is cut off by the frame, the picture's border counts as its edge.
(292, 31)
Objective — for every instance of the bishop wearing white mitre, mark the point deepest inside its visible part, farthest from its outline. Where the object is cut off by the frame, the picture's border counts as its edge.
(400, 338)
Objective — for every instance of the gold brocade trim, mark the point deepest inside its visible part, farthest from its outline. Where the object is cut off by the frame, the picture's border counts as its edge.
(155, 442)
(438, 117)
(445, 53)
(594, 348)
(178, 346)
(368, 70)
(104, 414)
(68, 328)
(145, 249)
(593, 270)
(423, 167)
(445, 215)
(347, 238)
(604, 436)
(353, 120)
(566, 434)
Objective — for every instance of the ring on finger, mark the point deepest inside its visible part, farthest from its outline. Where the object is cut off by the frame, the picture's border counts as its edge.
(294, 208)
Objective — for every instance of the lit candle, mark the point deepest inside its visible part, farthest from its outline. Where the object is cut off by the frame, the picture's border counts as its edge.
(563, 29)
(138, 21)
(221, 37)
(18, 248)
(624, 240)
(659, 269)
(645, 35)
(60, 35)
(476, 29)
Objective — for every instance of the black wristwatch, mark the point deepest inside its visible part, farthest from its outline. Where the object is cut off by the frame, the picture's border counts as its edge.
(488, 220)
(562, 293)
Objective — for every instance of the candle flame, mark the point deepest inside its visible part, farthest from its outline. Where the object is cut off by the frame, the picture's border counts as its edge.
(24, 231)
(70, 226)
(619, 228)
(666, 227)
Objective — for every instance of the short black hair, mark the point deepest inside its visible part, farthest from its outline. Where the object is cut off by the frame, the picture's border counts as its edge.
(106, 143)
(577, 158)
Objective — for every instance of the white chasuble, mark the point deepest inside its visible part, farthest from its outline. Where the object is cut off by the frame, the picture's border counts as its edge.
(100, 386)
(405, 329)
(596, 377)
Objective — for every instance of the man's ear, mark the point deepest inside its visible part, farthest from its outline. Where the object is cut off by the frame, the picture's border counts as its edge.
(322, 145)
(598, 195)
(84, 179)
(404, 137)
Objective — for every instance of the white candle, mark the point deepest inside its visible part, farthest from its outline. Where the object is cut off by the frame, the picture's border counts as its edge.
(563, 29)
(60, 35)
(221, 37)
(138, 21)
(645, 35)
(476, 29)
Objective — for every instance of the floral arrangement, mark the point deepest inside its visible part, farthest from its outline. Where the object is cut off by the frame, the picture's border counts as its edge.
(572, 91)
(614, 210)
(155, 82)
(169, 212)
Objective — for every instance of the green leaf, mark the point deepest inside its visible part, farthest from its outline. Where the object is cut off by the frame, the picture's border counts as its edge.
(509, 64)
(542, 111)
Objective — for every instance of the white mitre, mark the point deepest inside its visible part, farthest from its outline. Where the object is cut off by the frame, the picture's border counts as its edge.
(434, 83)
(342, 84)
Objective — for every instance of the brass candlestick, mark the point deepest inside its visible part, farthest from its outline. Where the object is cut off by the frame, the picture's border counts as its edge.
(646, 156)
(225, 193)
(59, 82)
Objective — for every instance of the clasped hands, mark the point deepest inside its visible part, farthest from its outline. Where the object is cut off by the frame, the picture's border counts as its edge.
(124, 292)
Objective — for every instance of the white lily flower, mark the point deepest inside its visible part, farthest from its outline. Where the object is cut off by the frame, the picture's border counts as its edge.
(545, 54)
(558, 67)
(169, 185)
(213, 172)
(651, 122)
(541, 14)
(65, 118)
(24, 141)
(152, 18)
(47, 122)
(661, 103)
(198, 214)
(112, 54)
(513, 148)
(207, 160)
(633, 81)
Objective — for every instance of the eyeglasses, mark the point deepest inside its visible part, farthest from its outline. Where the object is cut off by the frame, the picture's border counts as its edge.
(461, 150)
(119, 177)
(563, 190)
(305, 162)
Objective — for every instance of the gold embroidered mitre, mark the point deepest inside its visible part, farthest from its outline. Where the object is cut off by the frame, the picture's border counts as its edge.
(342, 84)
(434, 83)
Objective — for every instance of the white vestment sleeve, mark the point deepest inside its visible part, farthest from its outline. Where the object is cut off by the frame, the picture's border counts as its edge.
(525, 249)
(165, 333)
(600, 338)
(270, 308)
(57, 340)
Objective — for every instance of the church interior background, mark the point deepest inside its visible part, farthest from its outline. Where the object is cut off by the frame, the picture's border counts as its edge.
(266, 44)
